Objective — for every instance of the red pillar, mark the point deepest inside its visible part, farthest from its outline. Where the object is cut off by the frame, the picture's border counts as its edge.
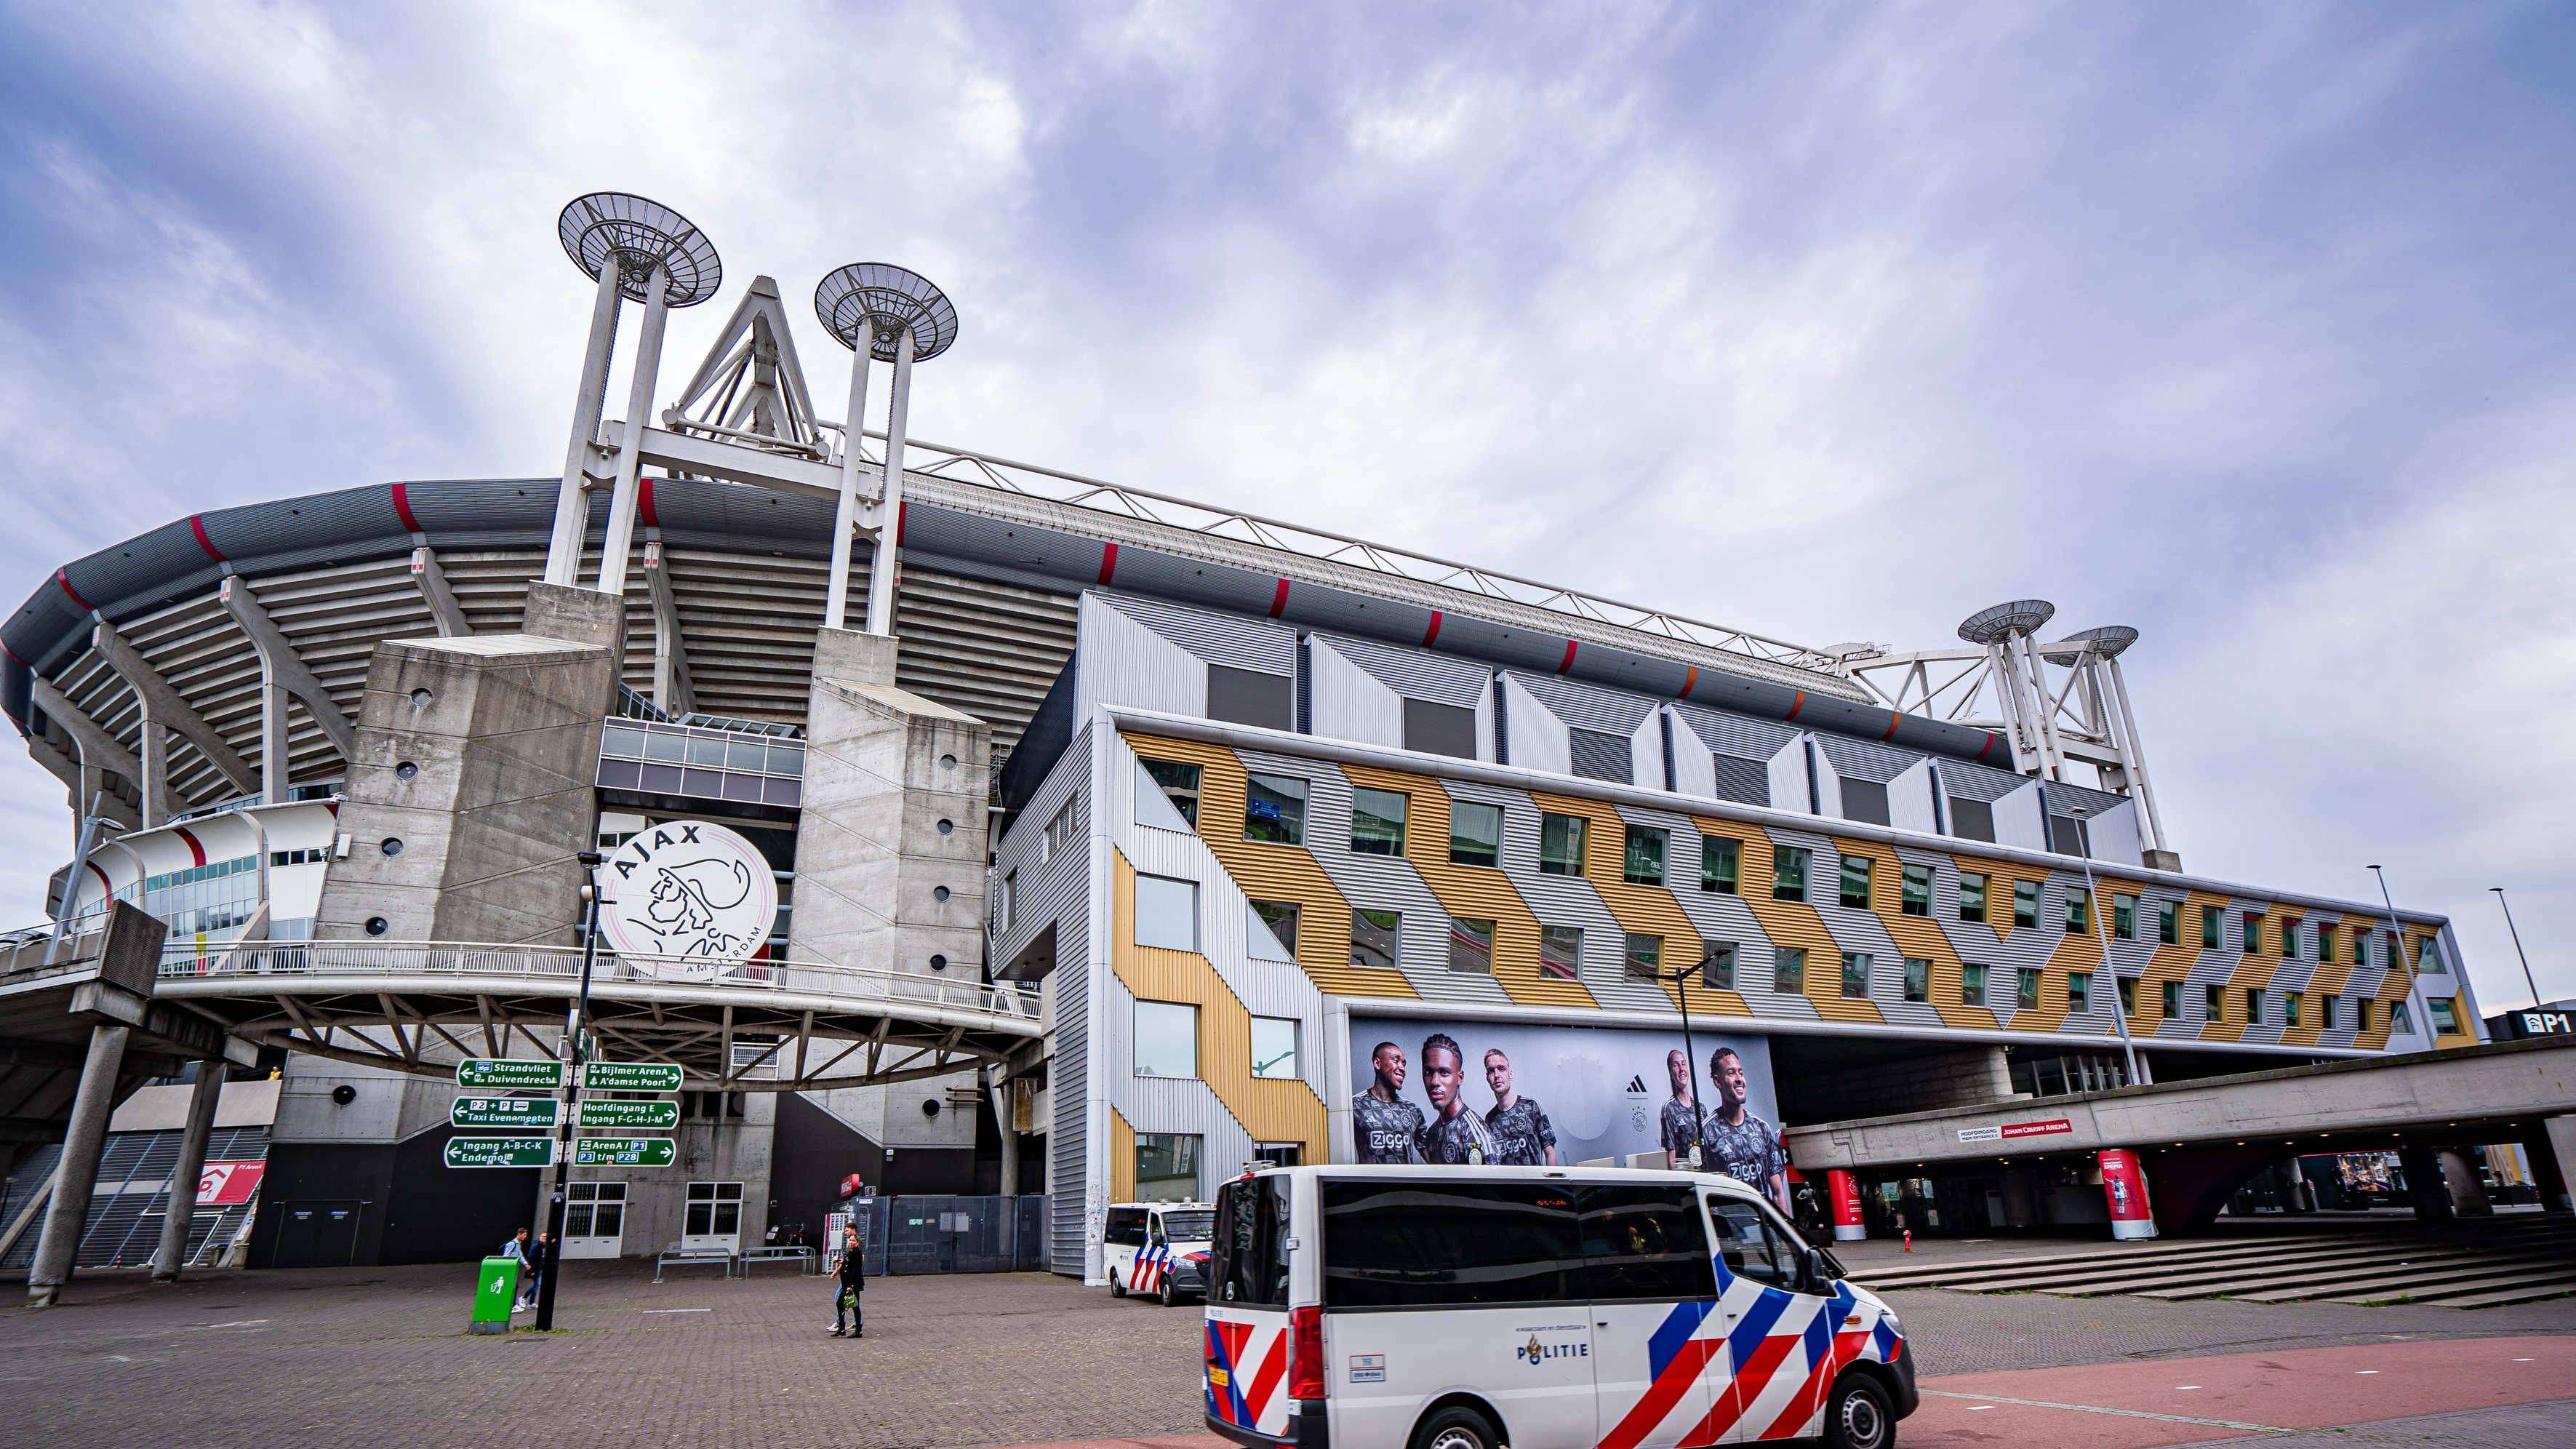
(1845, 1191)
(2124, 1186)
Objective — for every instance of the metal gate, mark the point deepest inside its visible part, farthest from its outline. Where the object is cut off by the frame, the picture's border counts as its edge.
(940, 1234)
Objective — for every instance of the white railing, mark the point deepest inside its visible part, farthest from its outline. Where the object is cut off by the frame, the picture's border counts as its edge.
(188, 961)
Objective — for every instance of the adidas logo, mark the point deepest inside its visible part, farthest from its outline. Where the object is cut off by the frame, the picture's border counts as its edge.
(1637, 1085)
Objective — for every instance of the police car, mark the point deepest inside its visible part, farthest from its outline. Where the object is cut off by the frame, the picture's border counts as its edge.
(1159, 1248)
(1405, 1307)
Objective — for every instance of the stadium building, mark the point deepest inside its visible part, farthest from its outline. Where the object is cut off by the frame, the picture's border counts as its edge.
(1118, 839)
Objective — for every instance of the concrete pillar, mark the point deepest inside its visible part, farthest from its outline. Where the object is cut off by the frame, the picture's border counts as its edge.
(68, 1213)
(2424, 1190)
(2460, 1179)
(2294, 1182)
(2553, 1162)
(180, 1211)
(2017, 1204)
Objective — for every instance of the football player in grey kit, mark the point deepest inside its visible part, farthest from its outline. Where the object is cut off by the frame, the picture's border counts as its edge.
(1523, 1137)
(1681, 1126)
(1385, 1127)
(1740, 1144)
(1456, 1136)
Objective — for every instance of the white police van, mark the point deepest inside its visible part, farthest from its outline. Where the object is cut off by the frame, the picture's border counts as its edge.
(1543, 1308)
(1159, 1248)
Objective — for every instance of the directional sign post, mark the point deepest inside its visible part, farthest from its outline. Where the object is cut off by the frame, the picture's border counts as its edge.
(630, 1077)
(618, 1115)
(510, 1074)
(531, 1113)
(500, 1152)
(624, 1151)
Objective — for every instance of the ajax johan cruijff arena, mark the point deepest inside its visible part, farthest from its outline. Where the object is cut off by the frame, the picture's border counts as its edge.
(980, 828)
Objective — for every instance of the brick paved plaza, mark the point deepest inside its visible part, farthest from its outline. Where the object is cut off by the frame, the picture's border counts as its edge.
(369, 1357)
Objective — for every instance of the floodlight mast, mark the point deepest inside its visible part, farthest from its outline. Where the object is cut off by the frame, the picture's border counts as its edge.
(877, 311)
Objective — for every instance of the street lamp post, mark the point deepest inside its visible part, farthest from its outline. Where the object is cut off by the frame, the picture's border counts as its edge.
(2517, 944)
(2093, 903)
(1680, 979)
(2397, 948)
(576, 1024)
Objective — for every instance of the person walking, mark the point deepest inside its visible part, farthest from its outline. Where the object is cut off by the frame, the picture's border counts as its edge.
(516, 1250)
(850, 1270)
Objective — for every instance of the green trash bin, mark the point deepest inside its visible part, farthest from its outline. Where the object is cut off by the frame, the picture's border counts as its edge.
(495, 1288)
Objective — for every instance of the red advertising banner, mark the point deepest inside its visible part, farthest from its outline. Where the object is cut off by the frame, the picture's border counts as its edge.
(1844, 1189)
(2124, 1188)
(228, 1184)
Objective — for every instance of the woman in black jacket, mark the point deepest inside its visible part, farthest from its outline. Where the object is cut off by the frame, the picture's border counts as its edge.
(851, 1270)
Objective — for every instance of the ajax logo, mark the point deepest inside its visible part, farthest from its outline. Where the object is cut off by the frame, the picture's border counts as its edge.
(691, 889)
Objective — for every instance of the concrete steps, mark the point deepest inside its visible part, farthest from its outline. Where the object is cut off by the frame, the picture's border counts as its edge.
(2391, 1280)
(2328, 1273)
(2482, 1276)
(1952, 1274)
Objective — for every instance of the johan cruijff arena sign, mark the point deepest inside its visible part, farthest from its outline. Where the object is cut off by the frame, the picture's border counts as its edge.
(689, 889)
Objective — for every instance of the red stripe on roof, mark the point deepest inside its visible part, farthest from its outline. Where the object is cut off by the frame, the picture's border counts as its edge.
(644, 503)
(196, 848)
(1279, 599)
(1796, 705)
(1568, 661)
(1690, 679)
(64, 578)
(402, 510)
(1432, 633)
(197, 526)
(1108, 562)
(1893, 721)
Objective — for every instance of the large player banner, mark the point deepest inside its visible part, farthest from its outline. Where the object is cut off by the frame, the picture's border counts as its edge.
(1454, 1092)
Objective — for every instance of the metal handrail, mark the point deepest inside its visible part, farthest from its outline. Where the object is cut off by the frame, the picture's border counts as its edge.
(188, 961)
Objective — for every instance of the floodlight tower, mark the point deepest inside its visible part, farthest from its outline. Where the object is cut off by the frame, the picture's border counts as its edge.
(643, 251)
(2109, 701)
(883, 312)
(2004, 632)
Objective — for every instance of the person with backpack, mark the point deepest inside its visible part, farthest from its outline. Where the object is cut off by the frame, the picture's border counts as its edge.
(850, 1271)
(516, 1250)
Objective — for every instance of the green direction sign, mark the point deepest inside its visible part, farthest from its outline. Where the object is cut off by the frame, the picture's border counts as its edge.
(630, 1077)
(529, 1112)
(624, 1152)
(500, 1152)
(511, 1074)
(628, 1116)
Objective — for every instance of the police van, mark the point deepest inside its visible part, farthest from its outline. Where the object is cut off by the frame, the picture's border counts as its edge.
(1159, 1248)
(1543, 1308)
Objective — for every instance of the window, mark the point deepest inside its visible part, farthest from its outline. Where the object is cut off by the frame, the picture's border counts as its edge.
(1856, 974)
(2026, 993)
(1167, 1039)
(1179, 783)
(2253, 940)
(1373, 939)
(2361, 946)
(1475, 833)
(1789, 873)
(1167, 1163)
(1598, 755)
(2213, 1004)
(1439, 729)
(2079, 992)
(1274, 810)
(2399, 1018)
(2124, 917)
(1471, 946)
(1643, 1244)
(2326, 1011)
(2291, 1004)
(1855, 892)
(2213, 924)
(1864, 801)
(1248, 696)
(1917, 892)
(2428, 958)
(2445, 1012)
(2325, 943)
(1918, 979)
(712, 1210)
(1377, 822)
(1560, 952)
(2128, 995)
(2025, 903)
(2169, 923)
(1167, 913)
(1251, 1242)
(1274, 1047)
(1972, 819)
(1644, 862)
(1430, 1243)
(2361, 1013)
(1754, 1248)
(1560, 844)
(1720, 860)
(2254, 1006)
(1002, 903)
(1645, 957)
(2079, 912)
(1278, 919)
(1972, 898)
(1717, 965)
(1059, 832)
(1972, 984)
(2289, 938)
(2173, 1000)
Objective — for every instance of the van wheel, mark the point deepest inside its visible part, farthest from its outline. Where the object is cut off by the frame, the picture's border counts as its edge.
(1165, 1296)
(1859, 1416)
(1457, 1428)
(1116, 1288)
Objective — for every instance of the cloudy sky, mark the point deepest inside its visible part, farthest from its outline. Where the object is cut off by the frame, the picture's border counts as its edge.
(2248, 325)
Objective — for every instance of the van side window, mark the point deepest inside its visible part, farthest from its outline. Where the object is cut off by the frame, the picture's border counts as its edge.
(1751, 1247)
(1250, 1243)
(1126, 1228)
(1643, 1243)
(1435, 1244)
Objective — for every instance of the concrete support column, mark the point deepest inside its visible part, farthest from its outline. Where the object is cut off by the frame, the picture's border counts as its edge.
(2460, 1179)
(180, 1212)
(68, 1213)
(2553, 1162)
(2424, 1190)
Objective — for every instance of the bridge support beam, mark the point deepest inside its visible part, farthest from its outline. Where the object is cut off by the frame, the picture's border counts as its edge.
(83, 1141)
(180, 1214)
(2553, 1162)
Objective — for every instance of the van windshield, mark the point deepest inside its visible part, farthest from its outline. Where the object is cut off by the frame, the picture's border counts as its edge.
(1189, 1227)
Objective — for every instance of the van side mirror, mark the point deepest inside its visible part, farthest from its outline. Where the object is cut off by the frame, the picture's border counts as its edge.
(1820, 1279)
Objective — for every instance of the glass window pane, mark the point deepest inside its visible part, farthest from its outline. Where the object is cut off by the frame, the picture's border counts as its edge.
(1560, 844)
(746, 755)
(2028, 988)
(1855, 884)
(1274, 922)
(1718, 864)
(1972, 897)
(1643, 1244)
(1972, 985)
(1179, 782)
(1918, 979)
(1645, 957)
(2124, 917)
(1274, 810)
(1789, 873)
(2289, 938)
(1856, 974)
(623, 741)
(1274, 1047)
(1167, 1167)
(666, 746)
(1644, 860)
(2169, 923)
(1475, 833)
(1717, 965)
(707, 750)
(1751, 1247)
(1918, 890)
(1790, 969)
(2212, 925)
(2025, 903)
(2079, 992)
(1167, 913)
(787, 759)
(1423, 1243)
(1373, 937)
(1167, 1039)
(1377, 822)
(1560, 951)
(1471, 946)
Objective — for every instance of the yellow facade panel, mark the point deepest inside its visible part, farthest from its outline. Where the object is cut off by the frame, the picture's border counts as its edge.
(1919, 937)
(1640, 910)
(1795, 923)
